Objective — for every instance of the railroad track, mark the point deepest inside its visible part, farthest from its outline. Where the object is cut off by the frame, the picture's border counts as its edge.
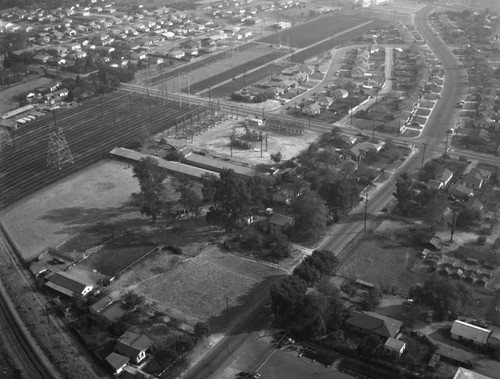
(117, 119)
(19, 344)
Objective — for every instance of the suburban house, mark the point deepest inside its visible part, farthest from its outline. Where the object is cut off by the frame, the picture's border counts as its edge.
(460, 191)
(445, 177)
(476, 177)
(312, 109)
(394, 347)
(133, 346)
(473, 179)
(67, 284)
(279, 223)
(371, 322)
(117, 362)
(463, 331)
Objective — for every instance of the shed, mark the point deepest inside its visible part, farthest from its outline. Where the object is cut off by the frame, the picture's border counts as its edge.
(463, 331)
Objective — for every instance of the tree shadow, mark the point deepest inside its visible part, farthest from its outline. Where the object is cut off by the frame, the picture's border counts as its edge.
(81, 215)
(250, 312)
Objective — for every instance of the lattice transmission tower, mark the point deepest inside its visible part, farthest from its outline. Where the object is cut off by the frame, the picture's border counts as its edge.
(58, 152)
(5, 139)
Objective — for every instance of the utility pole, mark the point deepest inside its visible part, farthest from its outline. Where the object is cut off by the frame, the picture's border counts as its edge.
(453, 223)
(189, 99)
(261, 140)
(180, 98)
(423, 158)
(366, 212)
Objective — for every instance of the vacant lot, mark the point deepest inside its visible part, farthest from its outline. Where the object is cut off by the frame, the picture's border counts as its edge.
(62, 210)
(199, 288)
(382, 258)
(314, 31)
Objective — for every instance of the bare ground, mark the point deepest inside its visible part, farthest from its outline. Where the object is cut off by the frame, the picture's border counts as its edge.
(96, 194)
(216, 141)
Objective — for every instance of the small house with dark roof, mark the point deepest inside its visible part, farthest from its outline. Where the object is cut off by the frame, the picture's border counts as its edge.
(67, 284)
(279, 223)
(133, 346)
(117, 362)
(371, 322)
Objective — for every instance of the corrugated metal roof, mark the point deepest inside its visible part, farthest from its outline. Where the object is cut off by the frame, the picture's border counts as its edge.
(172, 166)
(469, 331)
(463, 373)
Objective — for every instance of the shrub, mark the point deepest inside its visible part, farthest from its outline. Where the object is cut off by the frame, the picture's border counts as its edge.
(174, 249)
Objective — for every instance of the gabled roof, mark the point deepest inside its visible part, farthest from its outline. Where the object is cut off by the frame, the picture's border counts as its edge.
(63, 282)
(394, 344)
(117, 361)
(375, 323)
(469, 331)
(131, 344)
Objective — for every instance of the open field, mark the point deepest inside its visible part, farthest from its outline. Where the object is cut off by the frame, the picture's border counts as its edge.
(201, 287)
(241, 82)
(233, 71)
(91, 130)
(96, 194)
(383, 259)
(313, 31)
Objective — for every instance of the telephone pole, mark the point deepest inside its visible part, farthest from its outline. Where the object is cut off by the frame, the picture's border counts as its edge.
(366, 212)
(423, 158)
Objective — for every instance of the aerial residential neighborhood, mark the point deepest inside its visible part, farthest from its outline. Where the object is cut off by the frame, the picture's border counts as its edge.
(250, 189)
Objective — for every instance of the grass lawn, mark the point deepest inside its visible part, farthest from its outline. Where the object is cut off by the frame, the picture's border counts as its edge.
(383, 261)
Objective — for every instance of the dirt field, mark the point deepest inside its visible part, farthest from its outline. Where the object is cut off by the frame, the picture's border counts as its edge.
(216, 140)
(197, 288)
(96, 194)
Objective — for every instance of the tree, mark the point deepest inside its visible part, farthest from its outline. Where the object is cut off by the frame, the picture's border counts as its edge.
(190, 200)
(201, 330)
(368, 345)
(287, 297)
(468, 217)
(230, 196)
(319, 265)
(404, 193)
(276, 157)
(443, 294)
(371, 299)
(152, 197)
(311, 214)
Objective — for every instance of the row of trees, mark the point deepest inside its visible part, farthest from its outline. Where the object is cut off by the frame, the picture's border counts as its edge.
(306, 303)
(232, 198)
